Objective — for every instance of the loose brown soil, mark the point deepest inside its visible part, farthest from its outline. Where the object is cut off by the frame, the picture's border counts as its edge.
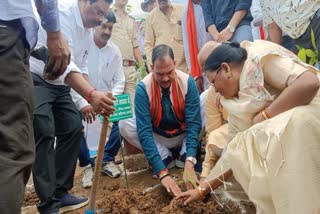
(145, 195)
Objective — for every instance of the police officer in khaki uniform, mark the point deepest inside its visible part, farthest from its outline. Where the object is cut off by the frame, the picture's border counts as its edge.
(124, 35)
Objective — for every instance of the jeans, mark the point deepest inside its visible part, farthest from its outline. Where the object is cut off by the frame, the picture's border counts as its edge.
(113, 145)
(84, 155)
(242, 33)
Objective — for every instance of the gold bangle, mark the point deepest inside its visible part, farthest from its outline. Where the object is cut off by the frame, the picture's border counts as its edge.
(201, 191)
(267, 113)
(265, 117)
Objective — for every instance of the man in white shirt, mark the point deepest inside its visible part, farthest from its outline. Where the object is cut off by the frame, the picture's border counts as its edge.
(18, 32)
(55, 114)
(105, 74)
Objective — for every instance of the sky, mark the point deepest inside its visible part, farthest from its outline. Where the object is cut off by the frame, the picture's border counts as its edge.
(136, 9)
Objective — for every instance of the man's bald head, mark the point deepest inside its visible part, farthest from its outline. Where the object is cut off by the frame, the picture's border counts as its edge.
(205, 51)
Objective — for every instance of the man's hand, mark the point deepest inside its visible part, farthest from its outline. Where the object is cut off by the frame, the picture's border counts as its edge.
(199, 83)
(88, 113)
(214, 32)
(170, 185)
(225, 35)
(59, 54)
(102, 104)
(189, 176)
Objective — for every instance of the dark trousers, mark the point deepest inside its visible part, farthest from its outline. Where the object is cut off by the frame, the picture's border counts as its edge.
(16, 132)
(305, 39)
(55, 115)
(113, 144)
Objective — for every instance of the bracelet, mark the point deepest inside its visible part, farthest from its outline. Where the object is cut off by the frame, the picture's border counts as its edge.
(201, 191)
(265, 117)
(267, 113)
(163, 175)
(162, 171)
(88, 97)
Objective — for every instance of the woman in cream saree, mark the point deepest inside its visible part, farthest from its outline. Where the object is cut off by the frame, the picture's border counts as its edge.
(273, 103)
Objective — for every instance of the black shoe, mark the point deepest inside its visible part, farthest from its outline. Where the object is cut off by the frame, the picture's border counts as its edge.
(70, 202)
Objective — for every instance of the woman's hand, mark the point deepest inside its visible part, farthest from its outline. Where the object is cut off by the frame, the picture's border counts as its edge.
(258, 118)
(190, 196)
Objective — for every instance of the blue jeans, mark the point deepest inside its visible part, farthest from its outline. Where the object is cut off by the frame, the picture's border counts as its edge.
(84, 155)
(113, 145)
(242, 33)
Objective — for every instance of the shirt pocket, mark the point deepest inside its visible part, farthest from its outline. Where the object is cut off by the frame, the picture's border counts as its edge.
(178, 31)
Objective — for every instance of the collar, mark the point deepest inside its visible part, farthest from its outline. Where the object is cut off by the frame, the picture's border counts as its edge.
(77, 14)
(160, 11)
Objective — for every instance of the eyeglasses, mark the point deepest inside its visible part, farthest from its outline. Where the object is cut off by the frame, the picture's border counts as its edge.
(215, 75)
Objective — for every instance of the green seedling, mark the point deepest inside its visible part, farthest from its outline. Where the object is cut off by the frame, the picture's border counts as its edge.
(307, 55)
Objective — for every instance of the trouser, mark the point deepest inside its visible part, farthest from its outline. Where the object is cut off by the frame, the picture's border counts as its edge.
(131, 82)
(16, 132)
(113, 144)
(288, 43)
(55, 115)
(175, 147)
(128, 130)
(305, 40)
(84, 155)
(242, 33)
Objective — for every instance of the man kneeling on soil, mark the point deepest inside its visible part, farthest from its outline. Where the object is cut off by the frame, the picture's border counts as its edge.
(167, 120)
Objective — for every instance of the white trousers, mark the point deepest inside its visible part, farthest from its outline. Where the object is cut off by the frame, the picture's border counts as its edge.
(128, 130)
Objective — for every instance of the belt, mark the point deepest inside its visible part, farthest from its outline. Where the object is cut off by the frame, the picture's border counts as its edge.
(128, 63)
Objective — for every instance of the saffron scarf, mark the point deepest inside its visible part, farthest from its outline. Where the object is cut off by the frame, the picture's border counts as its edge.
(177, 99)
(193, 42)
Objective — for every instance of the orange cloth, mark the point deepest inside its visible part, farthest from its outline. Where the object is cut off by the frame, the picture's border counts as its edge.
(177, 101)
(193, 42)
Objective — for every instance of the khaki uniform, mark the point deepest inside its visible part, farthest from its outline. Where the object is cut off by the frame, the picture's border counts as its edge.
(124, 35)
(161, 30)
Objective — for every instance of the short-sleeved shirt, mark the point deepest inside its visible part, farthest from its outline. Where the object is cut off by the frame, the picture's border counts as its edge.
(292, 16)
(124, 35)
(168, 31)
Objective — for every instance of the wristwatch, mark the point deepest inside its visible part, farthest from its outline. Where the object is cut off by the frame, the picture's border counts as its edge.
(231, 28)
(193, 160)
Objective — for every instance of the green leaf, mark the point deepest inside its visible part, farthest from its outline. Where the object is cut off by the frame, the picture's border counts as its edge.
(313, 40)
(313, 61)
(302, 55)
(310, 53)
(299, 47)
